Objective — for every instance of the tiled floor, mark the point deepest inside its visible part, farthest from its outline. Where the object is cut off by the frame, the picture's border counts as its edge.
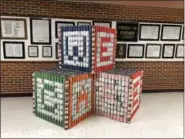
(160, 115)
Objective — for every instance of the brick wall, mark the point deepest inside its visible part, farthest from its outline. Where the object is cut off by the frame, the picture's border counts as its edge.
(16, 76)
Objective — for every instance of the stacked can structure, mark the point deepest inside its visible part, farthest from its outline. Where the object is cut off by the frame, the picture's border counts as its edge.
(85, 82)
(87, 48)
(63, 96)
(118, 94)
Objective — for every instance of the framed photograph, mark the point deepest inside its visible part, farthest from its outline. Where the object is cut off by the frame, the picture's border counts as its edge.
(127, 32)
(171, 32)
(13, 28)
(121, 50)
(179, 51)
(47, 51)
(40, 29)
(149, 32)
(135, 51)
(33, 51)
(62, 24)
(168, 50)
(83, 23)
(56, 50)
(183, 33)
(13, 50)
(153, 51)
(102, 23)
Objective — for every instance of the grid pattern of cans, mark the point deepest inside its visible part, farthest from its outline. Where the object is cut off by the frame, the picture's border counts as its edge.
(87, 48)
(62, 96)
(118, 94)
(49, 97)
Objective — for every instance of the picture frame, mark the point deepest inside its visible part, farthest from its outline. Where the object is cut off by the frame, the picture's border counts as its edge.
(56, 50)
(102, 23)
(135, 51)
(47, 51)
(83, 23)
(13, 50)
(33, 51)
(13, 28)
(153, 50)
(121, 50)
(40, 31)
(62, 23)
(173, 30)
(183, 33)
(168, 50)
(127, 32)
(179, 51)
(149, 32)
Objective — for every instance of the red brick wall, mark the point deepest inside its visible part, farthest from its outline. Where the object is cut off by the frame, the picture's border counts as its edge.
(16, 76)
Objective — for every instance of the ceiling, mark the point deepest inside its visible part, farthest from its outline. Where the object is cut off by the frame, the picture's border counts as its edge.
(153, 3)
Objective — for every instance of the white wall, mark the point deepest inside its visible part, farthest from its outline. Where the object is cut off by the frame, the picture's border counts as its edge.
(54, 40)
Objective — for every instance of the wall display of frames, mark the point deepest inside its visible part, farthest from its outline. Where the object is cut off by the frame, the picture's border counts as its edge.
(102, 23)
(47, 51)
(135, 51)
(179, 51)
(33, 51)
(153, 51)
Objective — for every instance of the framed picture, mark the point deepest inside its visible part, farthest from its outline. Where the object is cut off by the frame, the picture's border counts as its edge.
(127, 31)
(168, 50)
(171, 32)
(135, 51)
(149, 32)
(13, 50)
(47, 51)
(62, 24)
(83, 23)
(102, 23)
(153, 51)
(183, 33)
(40, 29)
(121, 50)
(56, 50)
(33, 51)
(13, 28)
(179, 51)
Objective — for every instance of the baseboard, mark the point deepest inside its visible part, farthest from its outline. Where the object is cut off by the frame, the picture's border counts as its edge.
(163, 90)
(17, 95)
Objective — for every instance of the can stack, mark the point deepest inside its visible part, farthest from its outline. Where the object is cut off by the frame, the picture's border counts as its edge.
(118, 94)
(85, 81)
(63, 96)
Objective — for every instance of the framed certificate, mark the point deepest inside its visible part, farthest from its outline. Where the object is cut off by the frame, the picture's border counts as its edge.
(121, 50)
(47, 51)
(183, 33)
(153, 51)
(149, 32)
(13, 50)
(179, 51)
(127, 31)
(13, 28)
(33, 51)
(83, 23)
(40, 29)
(56, 50)
(102, 23)
(135, 51)
(168, 50)
(171, 32)
(62, 24)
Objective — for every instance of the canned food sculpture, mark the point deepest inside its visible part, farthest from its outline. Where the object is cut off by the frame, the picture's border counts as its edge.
(87, 48)
(118, 94)
(85, 82)
(63, 96)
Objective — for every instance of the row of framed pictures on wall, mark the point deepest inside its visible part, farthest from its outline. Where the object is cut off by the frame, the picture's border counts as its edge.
(16, 50)
(151, 51)
(40, 28)
(149, 32)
